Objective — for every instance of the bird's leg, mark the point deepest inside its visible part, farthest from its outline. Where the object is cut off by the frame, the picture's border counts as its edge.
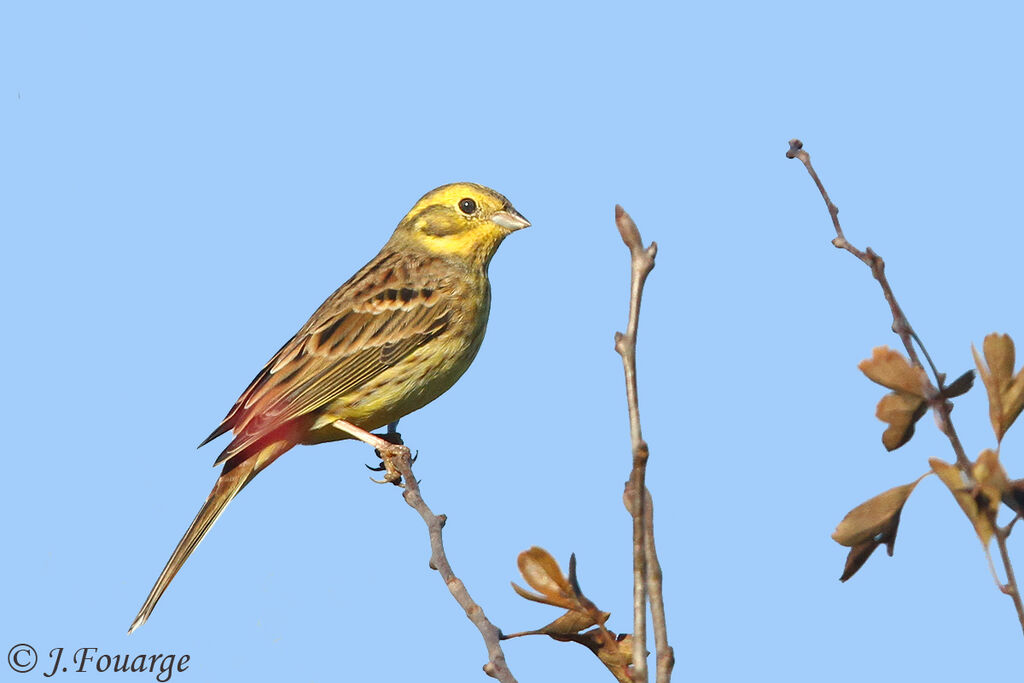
(394, 437)
(387, 449)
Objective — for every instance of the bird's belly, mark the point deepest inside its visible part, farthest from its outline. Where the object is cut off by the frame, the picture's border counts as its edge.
(412, 383)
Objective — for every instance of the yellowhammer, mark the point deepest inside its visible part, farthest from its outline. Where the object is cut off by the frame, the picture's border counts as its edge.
(393, 338)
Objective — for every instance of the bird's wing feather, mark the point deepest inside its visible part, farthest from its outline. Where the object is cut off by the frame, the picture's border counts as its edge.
(368, 325)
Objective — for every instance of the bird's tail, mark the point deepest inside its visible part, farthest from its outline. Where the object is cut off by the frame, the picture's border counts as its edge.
(230, 482)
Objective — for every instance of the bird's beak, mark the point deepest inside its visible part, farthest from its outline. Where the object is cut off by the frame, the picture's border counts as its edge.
(510, 219)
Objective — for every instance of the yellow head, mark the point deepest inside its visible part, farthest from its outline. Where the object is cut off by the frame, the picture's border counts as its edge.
(465, 221)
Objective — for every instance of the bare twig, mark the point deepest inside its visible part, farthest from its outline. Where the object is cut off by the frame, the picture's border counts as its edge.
(397, 459)
(495, 667)
(666, 658)
(1010, 587)
(641, 262)
(1009, 527)
(937, 401)
(900, 324)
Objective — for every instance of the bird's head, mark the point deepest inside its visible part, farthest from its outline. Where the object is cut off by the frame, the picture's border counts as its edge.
(465, 221)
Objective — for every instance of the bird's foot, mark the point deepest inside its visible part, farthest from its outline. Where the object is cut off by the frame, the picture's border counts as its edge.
(387, 456)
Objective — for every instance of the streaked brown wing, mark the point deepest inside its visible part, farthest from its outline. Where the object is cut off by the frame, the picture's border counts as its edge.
(368, 325)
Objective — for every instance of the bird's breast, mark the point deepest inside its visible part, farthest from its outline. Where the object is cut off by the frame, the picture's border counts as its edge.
(417, 378)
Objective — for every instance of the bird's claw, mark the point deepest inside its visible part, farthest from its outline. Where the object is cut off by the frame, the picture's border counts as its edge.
(382, 467)
(391, 476)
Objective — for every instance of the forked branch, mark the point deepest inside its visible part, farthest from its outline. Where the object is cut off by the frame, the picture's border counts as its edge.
(646, 570)
(900, 324)
(937, 396)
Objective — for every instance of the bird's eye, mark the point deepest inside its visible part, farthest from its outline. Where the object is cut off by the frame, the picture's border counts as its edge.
(467, 206)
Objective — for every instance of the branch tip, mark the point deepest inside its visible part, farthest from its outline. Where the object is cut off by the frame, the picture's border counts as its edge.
(795, 146)
(627, 228)
(646, 573)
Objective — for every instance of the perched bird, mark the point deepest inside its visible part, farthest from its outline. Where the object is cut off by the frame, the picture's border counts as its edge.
(393, 338)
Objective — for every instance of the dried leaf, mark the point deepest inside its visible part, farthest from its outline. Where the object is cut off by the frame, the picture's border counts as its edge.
(544, 575)
(871, 517)
(1005, 392)
(906, 404)
(954, 481)
(979, 502)
(960, 386)
(573, 622)
(901, 411)
(992, 483)
(614, 651)
(893, 371)
(534, 597)
(542, 572)
(856, 558)
(1013, 497)
(871, 524)
(618, 657)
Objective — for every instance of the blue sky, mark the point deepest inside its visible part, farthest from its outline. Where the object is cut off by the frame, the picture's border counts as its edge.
(183, 184)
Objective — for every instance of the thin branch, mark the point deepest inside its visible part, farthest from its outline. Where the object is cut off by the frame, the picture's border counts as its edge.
(398, 460)
(496, 666)
(1010, 588)
(641, 263)
(900, 324)
(1009, 527)
(666, 658)
(941, 407)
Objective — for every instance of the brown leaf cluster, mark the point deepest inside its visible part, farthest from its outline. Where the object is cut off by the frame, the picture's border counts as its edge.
(871, 524)
(542, 573)
(979, 501)
(979, 489)
(1005, 391)
(906, 404)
